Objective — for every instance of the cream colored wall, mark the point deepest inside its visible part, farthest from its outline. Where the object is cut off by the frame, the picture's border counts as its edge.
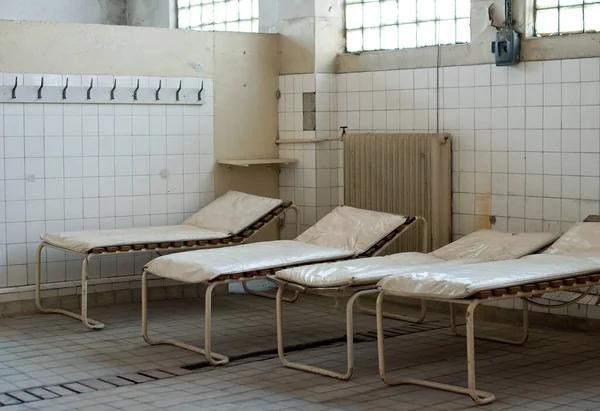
(247, 78)
(66, 11)
(102, 49)
(244, 68)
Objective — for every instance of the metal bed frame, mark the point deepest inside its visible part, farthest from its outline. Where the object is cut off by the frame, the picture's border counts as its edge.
(586, 280)
(354, 292)
(215, 358)
(87, 256)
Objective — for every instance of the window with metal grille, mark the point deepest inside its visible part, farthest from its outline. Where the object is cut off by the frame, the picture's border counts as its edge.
(220, 15)
(557, 17)
(400, 24)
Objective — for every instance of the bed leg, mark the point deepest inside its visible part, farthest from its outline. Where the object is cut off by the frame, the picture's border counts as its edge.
(522, 340)
(309, 368)
(212, 357)
(480, 397)
(269, 295)
(38, 278)
(453, 324)
(88, 322)
(400, 317)
(297, 211)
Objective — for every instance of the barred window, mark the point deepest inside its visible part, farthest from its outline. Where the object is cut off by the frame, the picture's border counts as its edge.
(220, 15)
(399, 24)
(558, 17)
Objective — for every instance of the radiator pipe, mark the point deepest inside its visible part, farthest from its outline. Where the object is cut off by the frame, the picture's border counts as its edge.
(508, 13)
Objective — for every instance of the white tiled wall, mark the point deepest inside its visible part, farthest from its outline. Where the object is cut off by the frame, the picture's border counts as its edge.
(388, 101)
(527, 143)
(97, 166)
(526, 139)
(313, 182)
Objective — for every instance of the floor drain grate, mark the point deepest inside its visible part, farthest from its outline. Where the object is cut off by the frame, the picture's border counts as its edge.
(366, 336)
(140, 377)
(91, 385)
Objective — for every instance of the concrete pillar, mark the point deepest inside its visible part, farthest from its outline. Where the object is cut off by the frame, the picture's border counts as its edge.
(152, 13)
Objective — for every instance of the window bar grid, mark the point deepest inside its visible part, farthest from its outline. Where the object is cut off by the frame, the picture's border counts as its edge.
(455, 18)
(583, 6)
(202, 7)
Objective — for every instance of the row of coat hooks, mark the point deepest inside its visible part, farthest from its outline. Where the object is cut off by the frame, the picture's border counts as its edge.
(112, 91)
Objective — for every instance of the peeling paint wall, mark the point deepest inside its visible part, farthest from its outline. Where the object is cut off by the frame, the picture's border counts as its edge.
(144, 13)
(151, 13)
(312, 34)
(65, 11)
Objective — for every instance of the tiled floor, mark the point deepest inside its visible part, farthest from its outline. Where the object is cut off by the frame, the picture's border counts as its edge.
(552, 371)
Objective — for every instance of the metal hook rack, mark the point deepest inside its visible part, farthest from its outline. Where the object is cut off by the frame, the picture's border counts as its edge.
(64, 89)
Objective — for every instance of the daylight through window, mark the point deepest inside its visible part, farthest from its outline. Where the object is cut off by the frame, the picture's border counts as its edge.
(220, 15)
(556, 17)
(400, 24)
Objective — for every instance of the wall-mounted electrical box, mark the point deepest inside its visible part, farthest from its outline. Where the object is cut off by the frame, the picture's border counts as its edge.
(507, 46)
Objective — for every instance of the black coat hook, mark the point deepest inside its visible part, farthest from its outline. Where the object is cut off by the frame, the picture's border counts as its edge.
(177, 92)
(344, 130)
(40, 89)
(158, 90)
(200, 92)
(136, 90)
(14, 89)
(64, 92)
(89, 91)
(112, 92)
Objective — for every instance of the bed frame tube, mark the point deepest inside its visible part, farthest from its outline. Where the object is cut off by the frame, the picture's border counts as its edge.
(478, 396)
(354, 292)
(83, 317)
(220, 359)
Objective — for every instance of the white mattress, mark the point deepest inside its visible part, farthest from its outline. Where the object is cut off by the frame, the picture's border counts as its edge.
(582, 240)
(354, 272)
(489, 245)
(233, 212)
(86, 240)
(351, 229)
(206, 265)
(229, 214)
(484, 245)
(465, 280)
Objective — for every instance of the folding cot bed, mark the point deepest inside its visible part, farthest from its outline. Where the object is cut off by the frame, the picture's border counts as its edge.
(231, 219)
(573, 262)
(359, 278)
(345, 233)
